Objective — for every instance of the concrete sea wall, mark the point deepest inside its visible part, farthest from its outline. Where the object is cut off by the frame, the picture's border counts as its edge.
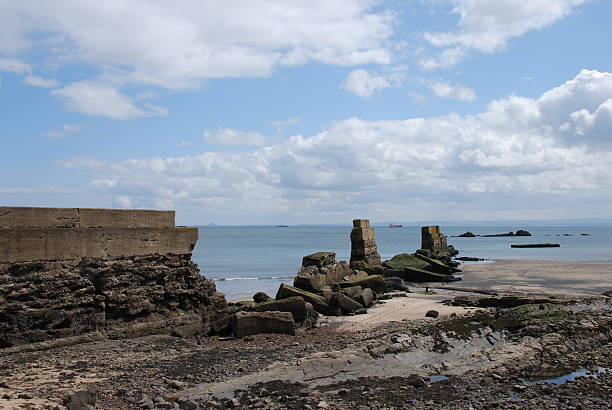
(69, 271)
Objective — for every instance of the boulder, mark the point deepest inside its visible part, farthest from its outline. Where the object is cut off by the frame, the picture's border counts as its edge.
(395, 283)
(522, 232)
(403, 260)
(432, 313)
(318, 302)
(374, 282)
(365, 297)
(346, 304)
(319, 259)
(437, 266)
(352, 292)
(313, 278)
(261, 297)
(253, 323)
(295, 305)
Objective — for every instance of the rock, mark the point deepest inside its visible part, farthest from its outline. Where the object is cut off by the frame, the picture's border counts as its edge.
(352, 291)
(404, 260)
(296, 305)
(365, 297)
(319, 259)
(26, 396)
(315, 279)
(375, 282)
(395, 283)
(175, 384)
(467, 234)
(432, 313)
(187, 404)
(469, 259)
(261, 297)
(252, 323)
(318, 302)
(346, 304)
(322, 405)
(522, 232)
(82, 400)
(437, 266)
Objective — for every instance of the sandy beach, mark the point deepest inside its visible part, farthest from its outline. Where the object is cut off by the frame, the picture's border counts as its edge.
(540, 276)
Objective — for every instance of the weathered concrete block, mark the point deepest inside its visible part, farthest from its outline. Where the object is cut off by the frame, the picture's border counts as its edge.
(345, 303)
(361, 223)
(318, 302)
(33, 217)
(25, 245)
(253, 323)
(362, 234)
(294, 305)
(153, 219)
(106, 218)
(319, 259)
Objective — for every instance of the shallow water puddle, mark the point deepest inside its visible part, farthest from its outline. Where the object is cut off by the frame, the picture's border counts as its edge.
(569, 377)
(437, 378)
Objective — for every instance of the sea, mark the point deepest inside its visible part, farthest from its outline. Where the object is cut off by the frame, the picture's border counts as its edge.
(243, 260)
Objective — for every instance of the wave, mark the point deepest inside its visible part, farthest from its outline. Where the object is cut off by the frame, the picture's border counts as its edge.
(248, 278)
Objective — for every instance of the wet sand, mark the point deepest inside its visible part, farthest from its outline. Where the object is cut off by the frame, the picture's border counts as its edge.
(540, 276)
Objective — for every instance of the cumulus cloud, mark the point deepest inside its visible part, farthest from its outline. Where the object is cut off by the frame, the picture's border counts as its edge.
(93, 98)
(455, 91)
(365, 84)
(14, 66)
(179, 44)
(228, 136)
(486, 26)
(489, 164)
(40, 82)
(65, 131)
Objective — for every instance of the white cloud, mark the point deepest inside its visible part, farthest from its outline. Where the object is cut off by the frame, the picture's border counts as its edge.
(556, 148)
(65, 131)
(487, 25)
(41, 82)
(95, 98)
(228, 136)
(179, 44)
(457, 91)
(14, 66)
(365, 84)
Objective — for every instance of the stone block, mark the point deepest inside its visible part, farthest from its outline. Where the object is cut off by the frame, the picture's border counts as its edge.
(106, 218)
(361, 223)
(345, 303)
(253, 323)
(34, 217)
(362, 234)
(294, 305)
(319, 259)
(318, 302)
(153, 219)
(21, 245)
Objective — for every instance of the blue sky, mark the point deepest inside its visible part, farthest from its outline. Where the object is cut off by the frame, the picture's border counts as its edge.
(240, 112)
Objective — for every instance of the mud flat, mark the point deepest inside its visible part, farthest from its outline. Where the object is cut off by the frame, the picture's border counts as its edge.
(540, 276)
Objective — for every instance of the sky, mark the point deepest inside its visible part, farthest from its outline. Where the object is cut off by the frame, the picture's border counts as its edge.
(317, 111)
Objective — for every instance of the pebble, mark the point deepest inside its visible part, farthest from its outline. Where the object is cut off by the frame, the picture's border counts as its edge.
(322, 405)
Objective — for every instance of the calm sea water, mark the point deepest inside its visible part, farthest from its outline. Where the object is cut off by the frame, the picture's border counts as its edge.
(245, 260)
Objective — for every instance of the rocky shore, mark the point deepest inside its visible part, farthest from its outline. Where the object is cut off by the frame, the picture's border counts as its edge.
(477, 360)
(105, 309)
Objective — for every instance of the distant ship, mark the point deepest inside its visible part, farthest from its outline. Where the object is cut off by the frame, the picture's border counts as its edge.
(392, 225)
(282, 226)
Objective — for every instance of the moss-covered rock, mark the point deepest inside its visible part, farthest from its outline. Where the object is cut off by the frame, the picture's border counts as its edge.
(318, 302)
(405, 260)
